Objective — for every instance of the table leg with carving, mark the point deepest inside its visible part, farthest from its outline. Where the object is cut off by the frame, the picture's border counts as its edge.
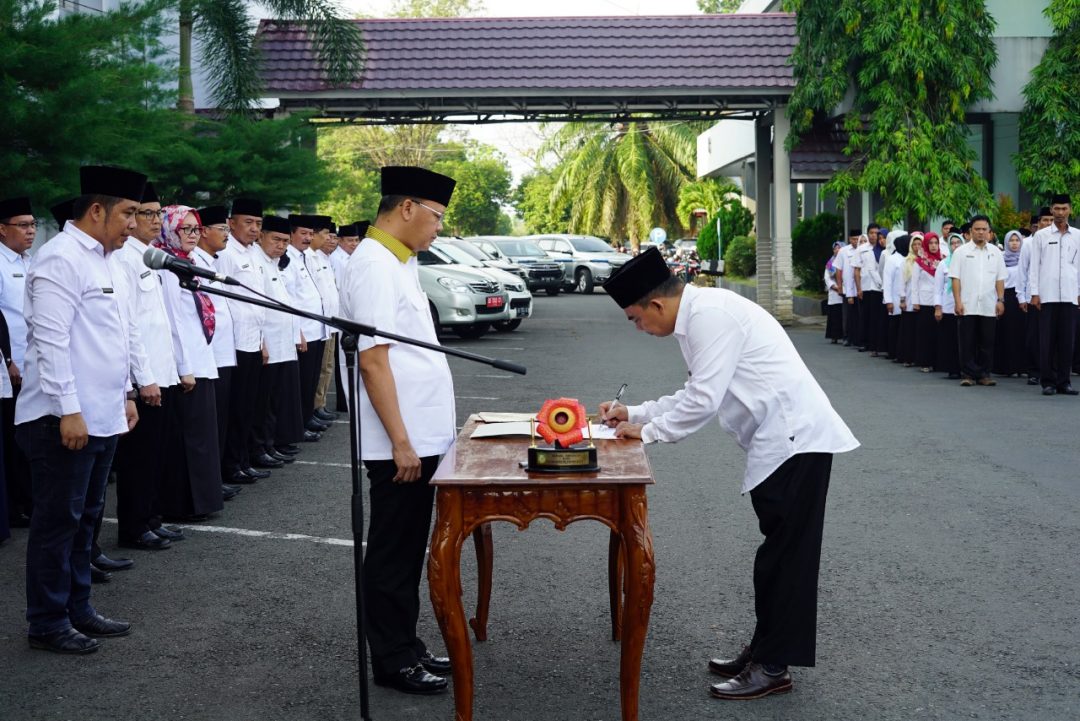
(615, 584)
(484, 552)
(444, 582)
(640, 570)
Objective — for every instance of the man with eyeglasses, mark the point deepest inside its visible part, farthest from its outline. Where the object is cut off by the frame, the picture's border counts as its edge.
(138, 455)
(323, 244)
(408, 420)
(18, 229)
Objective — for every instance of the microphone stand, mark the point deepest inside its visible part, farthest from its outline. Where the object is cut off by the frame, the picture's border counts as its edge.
(350, 331)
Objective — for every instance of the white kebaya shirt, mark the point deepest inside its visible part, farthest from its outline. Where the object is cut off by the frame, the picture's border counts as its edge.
(744, 371)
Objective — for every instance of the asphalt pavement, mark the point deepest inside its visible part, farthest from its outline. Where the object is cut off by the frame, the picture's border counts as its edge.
(949, 581)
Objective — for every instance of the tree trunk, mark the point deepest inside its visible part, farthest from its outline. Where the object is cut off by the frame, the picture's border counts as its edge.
(185, 101)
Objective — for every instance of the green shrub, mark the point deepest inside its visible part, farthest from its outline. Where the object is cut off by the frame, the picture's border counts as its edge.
(740, 256)
(735, 220)
(811, 247)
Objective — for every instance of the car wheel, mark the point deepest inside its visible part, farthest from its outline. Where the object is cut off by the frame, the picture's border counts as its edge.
(505, 326)
(552, 291)
(471, 331)
(584, 281)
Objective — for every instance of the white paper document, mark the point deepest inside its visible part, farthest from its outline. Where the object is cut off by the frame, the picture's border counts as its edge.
(521, 428)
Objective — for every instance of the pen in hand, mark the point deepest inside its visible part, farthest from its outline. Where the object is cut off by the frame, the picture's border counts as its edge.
(615, 400)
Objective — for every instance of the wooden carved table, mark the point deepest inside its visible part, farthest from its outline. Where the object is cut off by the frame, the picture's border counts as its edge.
(481, 481)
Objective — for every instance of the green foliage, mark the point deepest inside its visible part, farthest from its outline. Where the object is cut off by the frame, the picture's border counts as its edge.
(811, 246)
(483, 186)
(734, 219)
(709, 194)
(1049, 158)
(740, 256)
(622, 179)
(436, 8)
(714, 7)
(532, 199)
(915, 66)
(1006, 217)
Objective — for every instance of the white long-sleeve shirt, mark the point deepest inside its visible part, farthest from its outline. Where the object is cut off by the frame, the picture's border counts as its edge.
(830, 285)
(892, 281)
(942, 291)
(923, 289)
(280, 331)
(193, 353)
(155, 328)
(223, 345)
(745, 372)
(238, 261)
(13, 269)
(844, 262)
(338, 260)
(322, 272)
(77, 356)
(1022, 295)
(866, 262)
(304, 293)
(1054, 274)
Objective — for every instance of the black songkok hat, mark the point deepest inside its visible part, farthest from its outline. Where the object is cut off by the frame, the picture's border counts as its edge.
(1043, 212)
(854, 232)
(1061, 199)
(301, 221)
(639, 277)
(322, 221)
(417, 183)
(63, 212)
(346, 231)
(110, 181)
(149, 195)
(15, 206)
(276, 224)
(247, 206)
(361, 227)
(213, 215)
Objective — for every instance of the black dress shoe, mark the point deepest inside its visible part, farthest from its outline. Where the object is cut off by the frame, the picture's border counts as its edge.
(324, 415)
(730, 667)
(172, 533)
(1033, 381)
(242, 478)
(436, 665)
(752, 683)
(99, 576)
(266, 461)
(315, 427)
(1068, 390)
(67, 641)
(229, 492)
(256, 474)
(112, 564)
(97, 626)
(283, 457)
(290, 449)
(148, 541)
(1049, 391)
(18, 520)
(310, 437)
(413, 680)
(953, 377)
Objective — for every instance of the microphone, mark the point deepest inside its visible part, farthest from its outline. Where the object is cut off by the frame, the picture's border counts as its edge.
(158, 259)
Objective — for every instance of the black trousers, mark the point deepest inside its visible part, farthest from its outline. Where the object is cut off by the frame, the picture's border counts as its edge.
(1010, 337)
(310, 367)
(790, 506)
(976, 342)
(908, 336)
(948, 357)
(893, 336)
(1032, 341)
(397, 540)
(280, 422)
(222, 391)
(244, 405)
(341, 401)
(872, 320)
(925, 337)
(192, 471)
(851, 321)
(139, 468)
(1057, 335)
(16, 467)
(834, 321)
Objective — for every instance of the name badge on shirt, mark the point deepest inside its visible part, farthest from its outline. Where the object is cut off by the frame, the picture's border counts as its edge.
(245, 266)
(106, 290)
(145, 275)
(16, 275)
(1052, 242)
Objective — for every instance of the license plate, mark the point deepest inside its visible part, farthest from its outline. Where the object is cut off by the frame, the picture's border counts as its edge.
(495, 301)
(522, 311)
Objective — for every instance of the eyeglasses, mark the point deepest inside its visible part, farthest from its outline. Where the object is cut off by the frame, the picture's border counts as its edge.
(189, 229)
(23, 226)
(438, 215)
(150, 214)
(218, 228)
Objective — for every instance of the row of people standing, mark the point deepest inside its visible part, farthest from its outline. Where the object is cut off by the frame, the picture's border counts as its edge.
(127, 369)
(961, 305)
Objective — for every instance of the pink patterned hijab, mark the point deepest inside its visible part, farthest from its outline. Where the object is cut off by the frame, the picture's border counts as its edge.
(172, 244)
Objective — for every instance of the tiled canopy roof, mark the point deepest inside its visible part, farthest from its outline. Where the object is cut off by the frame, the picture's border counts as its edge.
(712, 59)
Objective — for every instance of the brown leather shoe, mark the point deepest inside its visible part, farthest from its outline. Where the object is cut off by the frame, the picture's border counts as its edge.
(730, 667)
(752, 683)
(987, 382)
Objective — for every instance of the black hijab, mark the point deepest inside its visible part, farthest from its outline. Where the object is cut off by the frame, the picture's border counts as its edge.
(902, 245)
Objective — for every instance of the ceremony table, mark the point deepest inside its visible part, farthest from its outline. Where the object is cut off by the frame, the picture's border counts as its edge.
(480, 481)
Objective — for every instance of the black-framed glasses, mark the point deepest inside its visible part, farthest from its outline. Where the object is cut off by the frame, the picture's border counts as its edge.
(150, 214)
(189, 229)
(24, 225)
(438, 215)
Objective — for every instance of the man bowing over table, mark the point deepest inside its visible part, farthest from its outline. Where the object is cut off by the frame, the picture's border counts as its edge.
(407, 420)
(745, 372)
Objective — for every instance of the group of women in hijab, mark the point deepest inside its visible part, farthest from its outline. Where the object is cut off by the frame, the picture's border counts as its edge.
(917, 305)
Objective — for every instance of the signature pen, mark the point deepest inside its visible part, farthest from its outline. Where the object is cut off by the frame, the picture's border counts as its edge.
(615, 400)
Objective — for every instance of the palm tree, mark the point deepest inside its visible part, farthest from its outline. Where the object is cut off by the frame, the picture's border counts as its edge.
(622, 179)
(226, 34)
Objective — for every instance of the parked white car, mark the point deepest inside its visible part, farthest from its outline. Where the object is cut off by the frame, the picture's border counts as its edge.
(521, 299)
(465, 300)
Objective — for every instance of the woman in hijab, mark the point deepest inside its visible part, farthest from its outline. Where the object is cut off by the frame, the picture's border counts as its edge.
(834, 318)
(909, 318)
(948, 350)
(892, 288)
(1011, 334)
(925, 301)
(192, 484)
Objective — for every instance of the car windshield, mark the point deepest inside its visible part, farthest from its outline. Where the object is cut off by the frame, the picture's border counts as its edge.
(589, 244)
(432, 257)
(467, 247)
(457, 255)
(520, 248)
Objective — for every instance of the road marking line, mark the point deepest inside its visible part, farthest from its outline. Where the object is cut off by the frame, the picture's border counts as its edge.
(494, 375)
(477, 398)
(248, 533)
(323, 463)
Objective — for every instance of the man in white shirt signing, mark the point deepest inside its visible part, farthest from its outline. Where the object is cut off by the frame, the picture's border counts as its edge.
(745, 372)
